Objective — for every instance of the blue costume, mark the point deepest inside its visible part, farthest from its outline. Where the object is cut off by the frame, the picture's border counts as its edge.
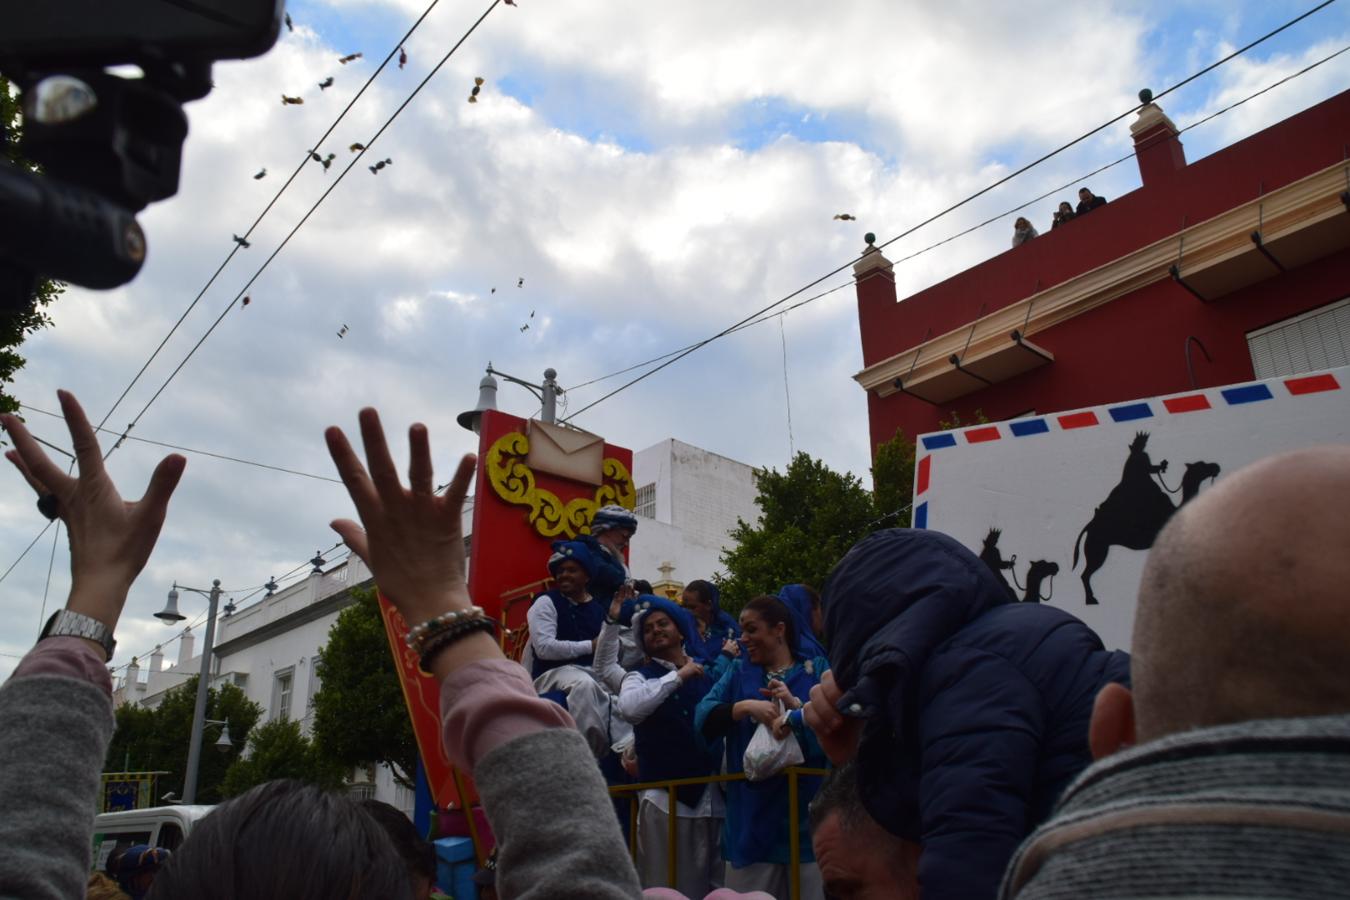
(798, 601)
(610, 569)
(575, 621)
(708, 648)
(666, 742)
(756, 825)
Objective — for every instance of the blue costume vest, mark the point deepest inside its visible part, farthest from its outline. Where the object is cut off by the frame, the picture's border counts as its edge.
(755, 830)
(668, 746)
(707, 649)
(576, 622)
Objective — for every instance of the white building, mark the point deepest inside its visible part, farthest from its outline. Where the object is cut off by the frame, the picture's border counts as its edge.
(689, 500)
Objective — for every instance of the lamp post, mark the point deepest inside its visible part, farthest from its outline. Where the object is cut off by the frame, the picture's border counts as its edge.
(171, 615)
(547, 393)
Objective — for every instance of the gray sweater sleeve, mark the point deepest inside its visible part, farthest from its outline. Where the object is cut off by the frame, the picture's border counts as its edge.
(54, 733)
(556, 830)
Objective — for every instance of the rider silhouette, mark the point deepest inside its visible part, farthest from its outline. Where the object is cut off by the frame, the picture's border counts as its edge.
(1138, 499)
(992, 557)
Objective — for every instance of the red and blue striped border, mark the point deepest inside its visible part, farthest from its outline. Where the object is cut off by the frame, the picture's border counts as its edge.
(1237, 395)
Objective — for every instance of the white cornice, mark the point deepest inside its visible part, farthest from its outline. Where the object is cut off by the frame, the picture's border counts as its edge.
(1280, 214)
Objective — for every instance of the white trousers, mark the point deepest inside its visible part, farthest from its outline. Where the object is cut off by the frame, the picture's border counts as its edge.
(698, 864)
(775, 880)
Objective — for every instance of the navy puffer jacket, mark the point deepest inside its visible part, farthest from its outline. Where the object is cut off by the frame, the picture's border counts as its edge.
(977, 708)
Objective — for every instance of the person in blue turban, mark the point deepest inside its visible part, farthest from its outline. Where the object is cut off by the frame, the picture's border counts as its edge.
(659, 698)
(565, 621)
(713, 627)
(804, 604)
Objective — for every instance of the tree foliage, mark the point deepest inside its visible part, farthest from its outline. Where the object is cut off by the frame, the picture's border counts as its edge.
(157, 739)
(279, 749)
(809, 516)
(360, 718)
(16, 327)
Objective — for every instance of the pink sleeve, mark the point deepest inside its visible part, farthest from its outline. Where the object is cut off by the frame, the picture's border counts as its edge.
(68, 657)
(489, 703)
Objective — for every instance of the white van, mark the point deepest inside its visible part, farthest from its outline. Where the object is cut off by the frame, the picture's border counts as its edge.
(159, 826)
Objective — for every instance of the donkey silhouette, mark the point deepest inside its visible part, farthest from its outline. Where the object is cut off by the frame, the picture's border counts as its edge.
(1135, 510)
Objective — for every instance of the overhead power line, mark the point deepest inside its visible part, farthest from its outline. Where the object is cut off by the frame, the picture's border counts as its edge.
(955, 206)
(235, 249)
(212, 454)
(275, 197)
(286, 240)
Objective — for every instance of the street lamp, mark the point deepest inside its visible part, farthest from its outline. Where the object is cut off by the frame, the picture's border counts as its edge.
(224, 742)
(170, 614)
(547, 393)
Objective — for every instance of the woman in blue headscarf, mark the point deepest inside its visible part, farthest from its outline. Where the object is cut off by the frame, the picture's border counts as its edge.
(659, 699)
(804, 604)
(774, 668)
(713, 628)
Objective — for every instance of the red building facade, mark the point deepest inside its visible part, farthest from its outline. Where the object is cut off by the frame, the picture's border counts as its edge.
(1200, 277)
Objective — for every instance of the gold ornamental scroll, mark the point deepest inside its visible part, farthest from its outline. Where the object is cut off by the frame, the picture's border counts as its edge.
(513, 481)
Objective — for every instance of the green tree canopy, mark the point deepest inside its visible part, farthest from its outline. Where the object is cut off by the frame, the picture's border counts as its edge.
(157, 739)
(809, 516)
(279, 749)
(360, 718)
(15, 327)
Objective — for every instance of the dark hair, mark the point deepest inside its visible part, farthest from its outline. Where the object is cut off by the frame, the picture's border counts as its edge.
(705, 590)
(285, 840)
(775, 612)
(418, 855)
(813, 594)
(642, 586)
(839, 793)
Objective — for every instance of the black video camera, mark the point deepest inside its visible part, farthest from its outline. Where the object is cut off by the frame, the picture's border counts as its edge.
(108, 145)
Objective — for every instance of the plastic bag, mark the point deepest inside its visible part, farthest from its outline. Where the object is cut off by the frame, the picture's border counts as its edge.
(766, 755)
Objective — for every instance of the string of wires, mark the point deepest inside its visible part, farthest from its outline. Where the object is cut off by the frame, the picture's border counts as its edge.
(952, 208)
(360, 154)
(341, 175)
(212, 454)
(266, 209)
(252, 592)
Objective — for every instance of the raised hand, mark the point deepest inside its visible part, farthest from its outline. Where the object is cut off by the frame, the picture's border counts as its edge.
(110, 538)
(412, 539)
(838, 734)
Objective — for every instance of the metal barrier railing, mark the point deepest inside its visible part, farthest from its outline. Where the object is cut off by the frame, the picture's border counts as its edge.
(672, 849)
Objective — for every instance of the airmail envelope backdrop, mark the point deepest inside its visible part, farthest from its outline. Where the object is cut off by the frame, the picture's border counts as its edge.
(566, 452)
(1044, 481)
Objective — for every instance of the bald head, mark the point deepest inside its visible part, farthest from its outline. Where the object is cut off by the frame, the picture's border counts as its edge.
(1244, 606)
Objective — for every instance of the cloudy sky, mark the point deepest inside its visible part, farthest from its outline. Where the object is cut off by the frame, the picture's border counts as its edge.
(654, 173)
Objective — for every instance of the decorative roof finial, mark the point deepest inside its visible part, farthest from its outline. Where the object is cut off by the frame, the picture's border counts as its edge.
(1145, 96)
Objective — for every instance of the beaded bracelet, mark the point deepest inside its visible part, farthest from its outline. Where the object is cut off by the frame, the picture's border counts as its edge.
(418, 634)
(449, 635)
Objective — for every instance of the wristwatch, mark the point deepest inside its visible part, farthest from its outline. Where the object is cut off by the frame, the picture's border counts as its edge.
(65, 623)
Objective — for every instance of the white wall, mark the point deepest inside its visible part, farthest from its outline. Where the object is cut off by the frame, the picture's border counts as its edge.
(699, 496)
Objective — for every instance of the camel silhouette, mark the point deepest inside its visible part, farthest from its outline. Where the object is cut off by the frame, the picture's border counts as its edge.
(1040, 570)
(1135, 510)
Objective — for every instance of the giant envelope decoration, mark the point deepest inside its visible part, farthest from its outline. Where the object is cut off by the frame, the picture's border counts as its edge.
(566, 452)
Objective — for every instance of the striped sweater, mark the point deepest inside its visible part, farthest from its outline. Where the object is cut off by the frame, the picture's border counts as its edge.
(1258, 809)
